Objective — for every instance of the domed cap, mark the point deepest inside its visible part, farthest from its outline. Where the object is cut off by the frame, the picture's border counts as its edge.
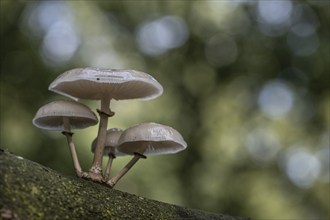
(151, 139)
(58, 115)
(95, 83)
(111, 142)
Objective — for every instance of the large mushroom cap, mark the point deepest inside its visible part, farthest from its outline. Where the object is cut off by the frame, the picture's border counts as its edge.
(111, 142)
(151, 139)
(52, 116)
(95, 83)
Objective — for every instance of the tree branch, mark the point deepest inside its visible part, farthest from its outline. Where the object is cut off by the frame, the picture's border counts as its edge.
(31, 191)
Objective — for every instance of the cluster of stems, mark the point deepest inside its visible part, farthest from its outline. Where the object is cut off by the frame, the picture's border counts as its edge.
(95, 172)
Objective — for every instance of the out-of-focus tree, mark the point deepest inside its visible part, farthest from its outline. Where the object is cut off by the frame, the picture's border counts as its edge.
(245, 82)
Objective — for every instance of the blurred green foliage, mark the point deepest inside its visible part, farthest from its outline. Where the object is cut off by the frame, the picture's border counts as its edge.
(245, 82)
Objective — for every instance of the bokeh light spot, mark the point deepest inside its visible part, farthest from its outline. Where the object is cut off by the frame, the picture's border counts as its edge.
(302, 167)
(274, 17)
(53, 22)
(158, 36)
(276, 99)
(60, 43)
(274, 12)
(50, 12)
(306, 21)
(262, 145)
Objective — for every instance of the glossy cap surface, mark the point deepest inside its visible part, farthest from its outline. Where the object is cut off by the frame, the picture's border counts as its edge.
(151, 139)
(54, 115)
(96, 84)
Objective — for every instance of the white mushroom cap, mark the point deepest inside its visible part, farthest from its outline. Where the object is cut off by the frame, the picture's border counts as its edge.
(95, 83)
(111, 142)
(151, 139)
(63, 115)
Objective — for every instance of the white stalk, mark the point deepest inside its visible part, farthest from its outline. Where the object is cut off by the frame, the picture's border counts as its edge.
(96, 170)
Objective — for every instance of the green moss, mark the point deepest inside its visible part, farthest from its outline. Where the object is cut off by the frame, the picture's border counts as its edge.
(36, 192)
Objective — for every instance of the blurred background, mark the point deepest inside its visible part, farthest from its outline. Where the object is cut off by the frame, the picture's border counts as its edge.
(245, 82)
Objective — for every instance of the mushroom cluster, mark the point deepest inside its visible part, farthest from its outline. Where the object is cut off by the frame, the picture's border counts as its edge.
(104, 85)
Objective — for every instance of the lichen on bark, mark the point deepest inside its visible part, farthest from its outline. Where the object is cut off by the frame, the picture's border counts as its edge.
(29, 190)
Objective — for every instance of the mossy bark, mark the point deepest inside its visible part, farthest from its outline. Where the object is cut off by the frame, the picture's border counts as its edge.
(31, 191)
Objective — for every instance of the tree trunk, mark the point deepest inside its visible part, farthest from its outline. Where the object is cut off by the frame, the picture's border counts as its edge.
(31, 191)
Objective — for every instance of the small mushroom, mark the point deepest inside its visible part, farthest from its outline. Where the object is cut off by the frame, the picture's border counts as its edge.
(63, 116)
(110, 148)
(147, 139)
(104, 85)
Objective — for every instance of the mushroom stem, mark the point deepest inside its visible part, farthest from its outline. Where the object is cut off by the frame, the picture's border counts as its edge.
(108, 167)
(73, 152)
(113, 181)
(95, 171)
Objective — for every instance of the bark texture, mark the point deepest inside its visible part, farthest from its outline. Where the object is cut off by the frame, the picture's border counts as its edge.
(31, 191)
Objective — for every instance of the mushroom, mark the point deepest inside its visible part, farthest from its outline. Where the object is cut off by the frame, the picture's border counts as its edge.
(110, 148)
(147, 139)
(104, 85)
(63, 116)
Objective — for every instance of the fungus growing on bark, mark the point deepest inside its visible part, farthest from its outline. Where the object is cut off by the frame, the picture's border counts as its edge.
(110, 148)
(147, 139)
(64, 116)
(104, 85)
